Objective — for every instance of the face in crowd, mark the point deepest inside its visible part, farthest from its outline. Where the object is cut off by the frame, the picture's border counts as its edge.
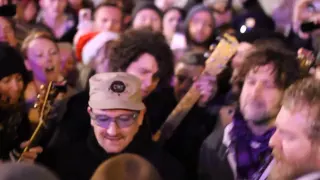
(145, 68)
(221, 12)
(115, 129)
(7, 33)
(184, 77)
(171, 21)
(147, 18)
(201, 26)
(260, 97)
(53, 8)
(12, 88)
(108, 18)
(43, 59)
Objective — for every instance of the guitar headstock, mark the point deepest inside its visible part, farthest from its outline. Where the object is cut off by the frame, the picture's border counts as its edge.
(221, 54)
(45, 99)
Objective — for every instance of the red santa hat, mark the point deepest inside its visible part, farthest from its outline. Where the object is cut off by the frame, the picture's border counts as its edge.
(82, 41)
(90, 50)
(89, 44)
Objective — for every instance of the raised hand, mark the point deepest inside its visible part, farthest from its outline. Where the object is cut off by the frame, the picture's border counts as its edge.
(207, 86)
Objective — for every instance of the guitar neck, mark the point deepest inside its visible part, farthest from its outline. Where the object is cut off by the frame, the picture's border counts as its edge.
(214, 65)
(44, 110)
(179, 113)
(34, 140)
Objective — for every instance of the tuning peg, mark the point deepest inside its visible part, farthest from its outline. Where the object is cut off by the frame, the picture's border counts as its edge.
(42, 87)
(206, 54)
(38, 96)
(36, 105)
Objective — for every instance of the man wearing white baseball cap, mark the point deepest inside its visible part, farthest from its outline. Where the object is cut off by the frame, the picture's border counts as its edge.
(117, 112)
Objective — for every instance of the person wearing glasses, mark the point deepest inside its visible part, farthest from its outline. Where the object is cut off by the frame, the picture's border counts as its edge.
(117, 112)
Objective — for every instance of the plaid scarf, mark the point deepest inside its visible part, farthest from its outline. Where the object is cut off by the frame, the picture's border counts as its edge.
(251, 150)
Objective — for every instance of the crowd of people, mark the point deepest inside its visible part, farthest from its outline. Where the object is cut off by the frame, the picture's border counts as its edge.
(96, 80)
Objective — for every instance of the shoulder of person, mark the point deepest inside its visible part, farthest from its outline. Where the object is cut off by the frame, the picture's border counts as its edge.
(213, 156)
(67, 160)
(168, 166)
(215, 138)
(211, 145)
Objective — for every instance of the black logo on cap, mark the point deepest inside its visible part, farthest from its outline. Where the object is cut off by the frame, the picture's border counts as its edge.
(118, 87)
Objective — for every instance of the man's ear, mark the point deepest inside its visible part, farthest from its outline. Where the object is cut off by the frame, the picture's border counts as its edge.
(141, 116)
(89, 110)
(27, 64)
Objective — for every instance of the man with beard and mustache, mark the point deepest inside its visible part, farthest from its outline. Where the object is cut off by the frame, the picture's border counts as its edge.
(296, 141)
(199, 28)
(240, 151)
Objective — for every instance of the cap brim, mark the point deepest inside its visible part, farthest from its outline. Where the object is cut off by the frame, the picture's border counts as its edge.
(116, 105)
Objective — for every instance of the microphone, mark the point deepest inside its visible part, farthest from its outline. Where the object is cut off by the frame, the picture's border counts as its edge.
(309, 26)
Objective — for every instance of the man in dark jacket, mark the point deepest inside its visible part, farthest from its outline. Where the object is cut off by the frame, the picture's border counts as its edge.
(240, 151)
(117, 112)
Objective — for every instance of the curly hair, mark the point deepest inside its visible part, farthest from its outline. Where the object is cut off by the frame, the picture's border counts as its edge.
(285, 65)
(133, 43)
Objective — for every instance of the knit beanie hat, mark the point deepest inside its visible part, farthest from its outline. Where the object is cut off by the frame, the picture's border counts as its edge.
(17, 171)
(145, 5)
(194, 10)
(11, 62)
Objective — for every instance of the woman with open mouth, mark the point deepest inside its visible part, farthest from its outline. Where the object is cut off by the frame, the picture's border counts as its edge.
(43, 59)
